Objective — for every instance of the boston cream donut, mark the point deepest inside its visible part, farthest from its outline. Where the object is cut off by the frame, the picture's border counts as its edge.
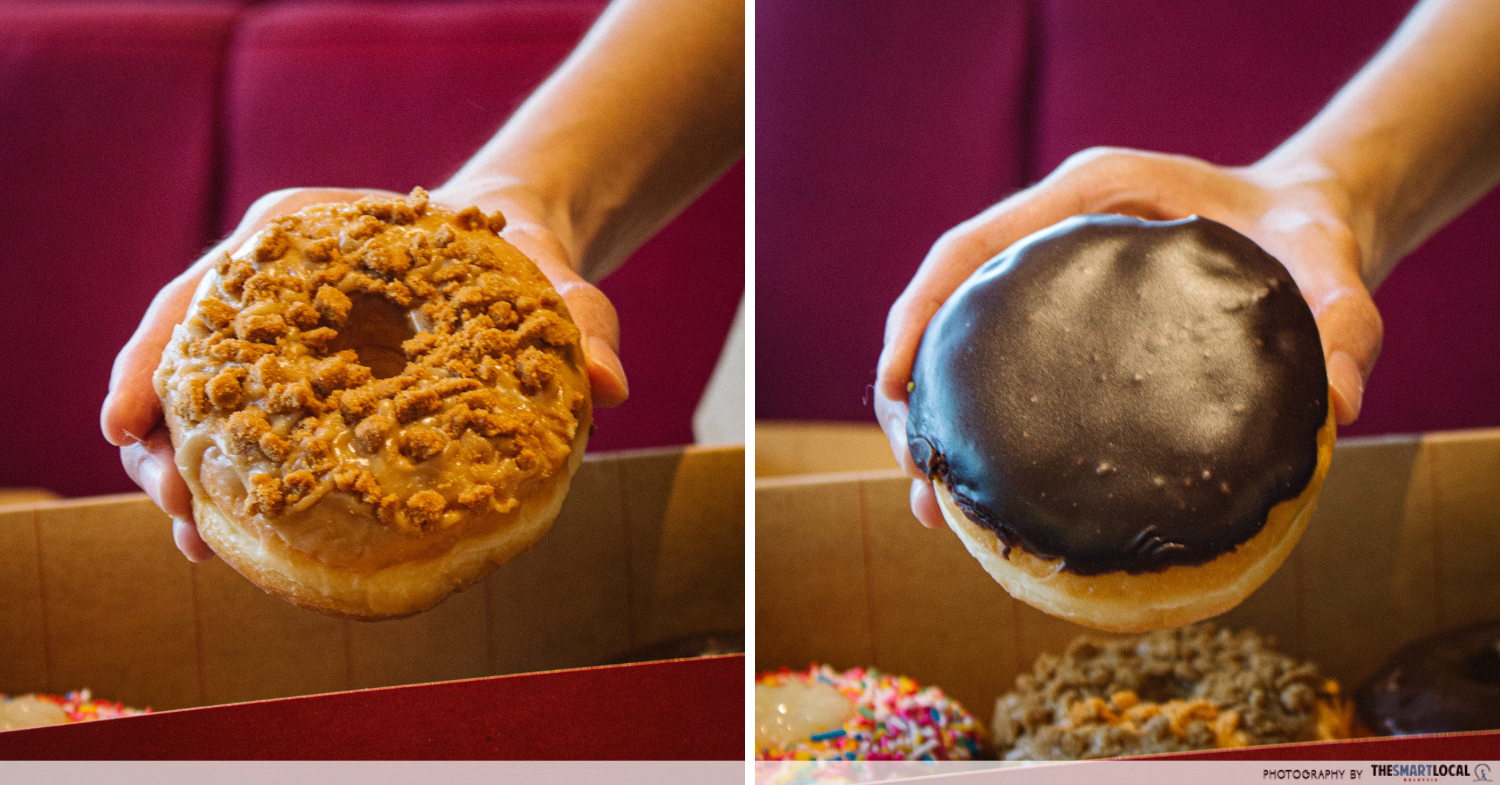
(374, 404)
(1125, 421)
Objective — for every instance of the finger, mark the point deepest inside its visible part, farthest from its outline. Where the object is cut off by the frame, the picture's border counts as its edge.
(589, 308)
(924, 505)
(1097, 180)
(185, 535)
(1352, 332)
(596, 319)
(892, 417)
(955, 257)
(1323, 258)
(132, 409)
(150, 463)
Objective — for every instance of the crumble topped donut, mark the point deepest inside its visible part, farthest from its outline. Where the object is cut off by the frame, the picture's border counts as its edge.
(374, 404)
(859, 714)
(1194, 688)
(1126, 421)
(1443, 683)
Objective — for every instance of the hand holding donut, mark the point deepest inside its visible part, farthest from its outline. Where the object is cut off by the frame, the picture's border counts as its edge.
(132, 417)
(1405, 146)
(1298, 217)
(643, 116)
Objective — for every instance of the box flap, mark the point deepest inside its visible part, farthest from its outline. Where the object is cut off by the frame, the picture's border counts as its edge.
(675, 710)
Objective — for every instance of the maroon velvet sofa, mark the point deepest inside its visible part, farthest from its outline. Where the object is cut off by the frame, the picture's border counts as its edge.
(880, 125)
(132, 134)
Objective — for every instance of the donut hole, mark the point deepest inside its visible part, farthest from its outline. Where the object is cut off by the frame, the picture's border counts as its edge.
(375, 331)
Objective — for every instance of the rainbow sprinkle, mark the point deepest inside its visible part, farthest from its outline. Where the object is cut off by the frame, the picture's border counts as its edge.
(80, 706)
(897, 720)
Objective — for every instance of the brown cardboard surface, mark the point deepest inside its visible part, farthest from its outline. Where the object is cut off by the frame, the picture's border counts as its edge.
(1404, 543)
(25, 495)
(811, 589)
(788, 448)
(94, 594)
(690, 588)
(22, 631)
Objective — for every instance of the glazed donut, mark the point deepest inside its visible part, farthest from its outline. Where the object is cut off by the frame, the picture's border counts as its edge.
(1126, 422)
(374, 404)
(1443, 683)
(859, 714)
(1191, 688)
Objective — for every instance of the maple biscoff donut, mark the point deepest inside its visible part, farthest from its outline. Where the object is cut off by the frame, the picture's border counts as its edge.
(1126, 422)
(374, 404)
(1191, 688)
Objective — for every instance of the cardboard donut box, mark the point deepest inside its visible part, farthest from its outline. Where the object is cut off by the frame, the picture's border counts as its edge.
(647, 551)
(1405, 543)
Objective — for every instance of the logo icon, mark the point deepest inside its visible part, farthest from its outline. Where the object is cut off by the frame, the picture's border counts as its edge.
(1482, 773)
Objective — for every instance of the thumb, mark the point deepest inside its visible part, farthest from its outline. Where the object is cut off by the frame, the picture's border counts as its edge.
(596, 319)
(590, 309)
(1322, 254)
(1352, 333)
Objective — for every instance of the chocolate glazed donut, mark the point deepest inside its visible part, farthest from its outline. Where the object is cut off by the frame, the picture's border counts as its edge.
(1444, 683)
(1112, 395)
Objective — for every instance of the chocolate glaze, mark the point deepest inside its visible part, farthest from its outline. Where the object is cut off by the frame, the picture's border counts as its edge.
(1122, 394)
(1444, 683)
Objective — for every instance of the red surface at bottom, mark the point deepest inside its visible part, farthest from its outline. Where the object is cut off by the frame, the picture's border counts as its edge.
(673, 710)
(1479, 745)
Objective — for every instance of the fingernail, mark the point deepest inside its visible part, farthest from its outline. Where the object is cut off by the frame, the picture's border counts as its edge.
(151, 478)
(895, 432)
(600, 353)
(185, 535)
(1347, 382)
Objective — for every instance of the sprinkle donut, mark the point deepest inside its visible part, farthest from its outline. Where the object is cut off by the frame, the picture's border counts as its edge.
(859, 714)
(35, 710)
(374, 404)
(1126, 422)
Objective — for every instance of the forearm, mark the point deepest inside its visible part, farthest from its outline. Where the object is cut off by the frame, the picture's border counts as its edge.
(645, 115)
(1414, 138)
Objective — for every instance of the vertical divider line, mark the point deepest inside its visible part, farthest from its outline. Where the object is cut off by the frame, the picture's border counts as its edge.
(1297, 602)
(41, 593)
(1429, 451)
(489, 627)
(864, 541)
(198, 633)
(348, 654)
(1018, 617)
(631, 612)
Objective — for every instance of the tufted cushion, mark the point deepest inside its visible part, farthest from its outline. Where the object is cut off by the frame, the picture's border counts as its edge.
(106, 151)
(878, 127)
(878, 130)
(392, 96)
(1228, 82)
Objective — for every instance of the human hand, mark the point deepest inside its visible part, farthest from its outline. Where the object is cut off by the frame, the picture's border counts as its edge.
(1299, 214)
(131, 417)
